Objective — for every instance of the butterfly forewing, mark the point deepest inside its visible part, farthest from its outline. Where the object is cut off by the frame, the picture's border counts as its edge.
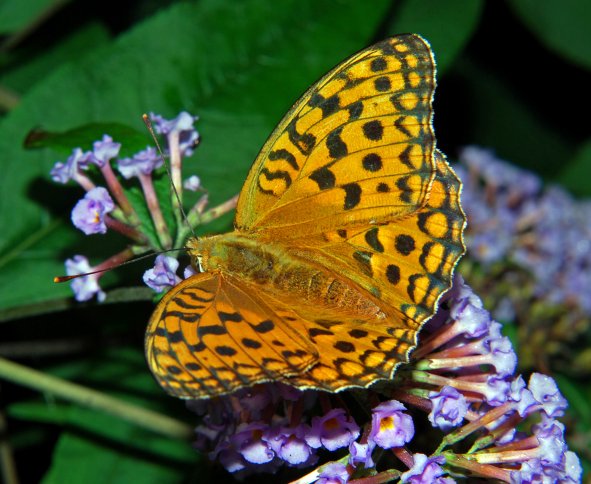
(363, 131)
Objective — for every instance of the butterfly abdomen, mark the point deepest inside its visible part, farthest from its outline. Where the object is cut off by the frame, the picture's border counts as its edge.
(285, 275)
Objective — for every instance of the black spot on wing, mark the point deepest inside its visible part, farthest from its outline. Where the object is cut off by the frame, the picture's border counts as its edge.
(175, 336)
(225, 351)
(404, 157)
(251, 343)
(274, 175)
(337, 148)
(393, 274)
(399, 124)
(214, 329)
(373, 130)
(232, 317)
(328, 105)
(303, 142)
(283, 154)
(263, 326)
(372, 162)
(358, 333)
(352, 195)
(355, 109)
(186, 317)
(382, 84)
(313, 332)
(404, 244)
(323, 177)
(371, 237)
(344, 346)
(378, 64)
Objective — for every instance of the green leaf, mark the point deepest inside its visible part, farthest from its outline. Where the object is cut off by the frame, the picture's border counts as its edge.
(446, 25)
(84, 136)
(15, 15)
(24, 68)
(577, 173)
(562, 25)
(111, 447)
(238, 65)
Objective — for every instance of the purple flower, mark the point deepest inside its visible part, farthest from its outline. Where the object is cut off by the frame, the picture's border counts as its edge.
(333, 431)
(163, 275)
(552, 447)
(572, 471)
(63, 172)
(523, 398)
(361, 454)
(504, 357)
(390, 426)
(104, 150)
(229, 457)
(425, 470)
(87, 286)
(182, 126)
(449, 408)
(496, 390)
(255, 400)
(89, 213)
(189, 271)
(531, 472)
(142, 163)
(193, 183)
(289, 444)
(333, 473)
(545, 391)
(248, 441)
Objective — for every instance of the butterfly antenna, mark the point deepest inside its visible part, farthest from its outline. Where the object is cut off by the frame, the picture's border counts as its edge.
(58, 279)
(148, 124)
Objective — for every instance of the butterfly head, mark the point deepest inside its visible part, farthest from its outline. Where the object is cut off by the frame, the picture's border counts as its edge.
(204, 253)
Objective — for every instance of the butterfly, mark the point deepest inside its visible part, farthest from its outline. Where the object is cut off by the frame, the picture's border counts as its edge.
(347, 232)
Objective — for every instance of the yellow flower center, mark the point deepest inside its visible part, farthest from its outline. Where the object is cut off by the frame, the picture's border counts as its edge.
(387, 423)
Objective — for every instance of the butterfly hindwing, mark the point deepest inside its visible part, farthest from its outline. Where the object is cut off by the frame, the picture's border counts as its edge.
(405, 264)
(210, 335)
(357, 147)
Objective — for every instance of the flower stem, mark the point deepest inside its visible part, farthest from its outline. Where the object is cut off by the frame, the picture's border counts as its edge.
(125, 229)
(93, 399)
(386, 476)
(175, 173)
(467, 429)
(84, 181)
(196, 217)
(117, 191)
(154, 207)
(477, 468)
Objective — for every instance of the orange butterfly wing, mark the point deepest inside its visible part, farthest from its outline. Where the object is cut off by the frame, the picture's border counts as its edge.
(362, 131)
(210, 335)
(351, 183)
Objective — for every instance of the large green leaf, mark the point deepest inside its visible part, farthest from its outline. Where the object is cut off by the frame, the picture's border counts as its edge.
(562, 25)
(237, 65)
(447, 25)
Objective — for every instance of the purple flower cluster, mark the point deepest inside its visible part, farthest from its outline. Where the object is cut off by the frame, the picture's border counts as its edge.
(460, 381)
(108, 207)
(513, 218)
(265, 435)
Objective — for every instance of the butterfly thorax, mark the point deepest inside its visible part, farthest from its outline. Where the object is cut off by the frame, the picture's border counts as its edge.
(283, 274)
